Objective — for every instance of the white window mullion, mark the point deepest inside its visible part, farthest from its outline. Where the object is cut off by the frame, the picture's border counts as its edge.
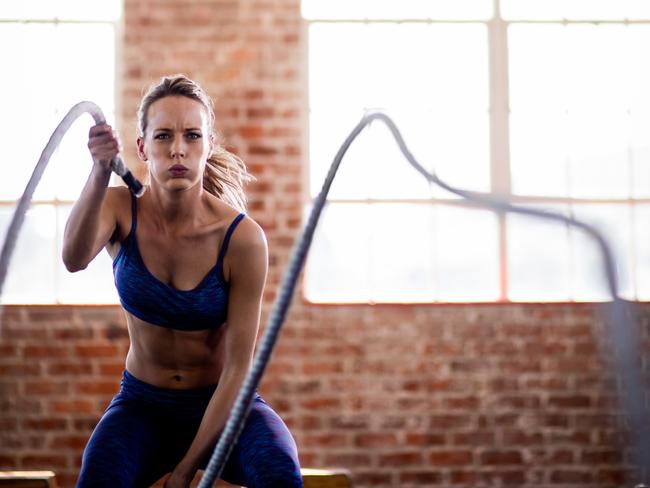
(499, 130)
(499, 107)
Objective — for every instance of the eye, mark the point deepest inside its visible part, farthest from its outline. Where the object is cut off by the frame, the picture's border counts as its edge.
(194, 135)
(161, 136)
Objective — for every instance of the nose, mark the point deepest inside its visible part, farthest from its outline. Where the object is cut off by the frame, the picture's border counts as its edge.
(177, 149)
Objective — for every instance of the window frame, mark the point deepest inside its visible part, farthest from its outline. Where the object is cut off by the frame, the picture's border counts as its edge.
(499, 149)
(57, 203)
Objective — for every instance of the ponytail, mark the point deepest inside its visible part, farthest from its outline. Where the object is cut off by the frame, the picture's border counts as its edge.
(225, 175)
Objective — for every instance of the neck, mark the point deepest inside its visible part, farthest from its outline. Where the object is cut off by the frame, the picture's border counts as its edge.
(176, 207)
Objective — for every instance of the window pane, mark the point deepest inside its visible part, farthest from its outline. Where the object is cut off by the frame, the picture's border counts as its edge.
(642, 250)
(589, 279)
(538, 153)
(92, 285)
(31, 275)
(426, 253)
(373, 166)
(535, 60)
(575, 9)
(538, 256)
(641, 171)
(61, 9)
(466, 243)
(364, 66)
(581, 133)
(401, 253)
(599, 164)
(338, 264)
(439, 106)
(640, 113)
(38, 49)
(439, 142)
(390, 9)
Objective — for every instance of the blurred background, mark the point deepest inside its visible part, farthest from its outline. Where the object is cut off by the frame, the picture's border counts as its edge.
(431, 343)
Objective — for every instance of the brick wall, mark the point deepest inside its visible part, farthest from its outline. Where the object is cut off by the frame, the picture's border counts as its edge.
(490, 395)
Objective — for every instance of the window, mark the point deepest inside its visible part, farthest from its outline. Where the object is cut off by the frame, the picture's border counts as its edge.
(543, 102)
(54, 55)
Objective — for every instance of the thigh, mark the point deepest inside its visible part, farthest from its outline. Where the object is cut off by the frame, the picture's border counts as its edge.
(125, 450)
(265, 455)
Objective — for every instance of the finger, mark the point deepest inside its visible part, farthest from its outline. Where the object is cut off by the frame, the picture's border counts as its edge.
(106, 144)
(104, 156)
(103, 140)
(112, 147)
(99, 129)
(107, 149)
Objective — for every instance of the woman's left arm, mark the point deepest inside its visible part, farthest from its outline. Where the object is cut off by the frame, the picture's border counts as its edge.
(248, 254)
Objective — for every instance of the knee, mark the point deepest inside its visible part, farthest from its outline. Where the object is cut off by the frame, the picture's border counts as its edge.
(96, 474)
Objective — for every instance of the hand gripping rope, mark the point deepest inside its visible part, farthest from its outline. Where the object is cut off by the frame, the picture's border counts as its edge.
(621, 327)
(23, 204)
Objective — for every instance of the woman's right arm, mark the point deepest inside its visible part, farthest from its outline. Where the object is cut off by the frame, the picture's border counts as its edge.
(93, 218)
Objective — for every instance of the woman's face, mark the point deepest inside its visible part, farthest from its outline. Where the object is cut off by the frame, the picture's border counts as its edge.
(177, 142)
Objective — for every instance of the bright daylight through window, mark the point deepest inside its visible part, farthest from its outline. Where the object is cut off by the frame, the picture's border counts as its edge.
(543, 102)
(62, 53)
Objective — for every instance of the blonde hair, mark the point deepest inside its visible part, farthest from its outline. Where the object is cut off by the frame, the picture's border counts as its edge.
(225, 173)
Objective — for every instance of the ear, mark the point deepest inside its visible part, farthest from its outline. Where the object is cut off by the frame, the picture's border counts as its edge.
(140, 143)
(212, 142)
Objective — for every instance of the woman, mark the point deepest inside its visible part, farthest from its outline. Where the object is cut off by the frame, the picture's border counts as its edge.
(192, 323)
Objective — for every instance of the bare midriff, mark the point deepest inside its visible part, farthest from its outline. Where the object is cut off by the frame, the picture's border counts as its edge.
(170, 358)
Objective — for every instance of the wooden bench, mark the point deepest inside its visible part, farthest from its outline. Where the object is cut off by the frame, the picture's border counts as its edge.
(326, 478)
(27, 479)
(312, 478)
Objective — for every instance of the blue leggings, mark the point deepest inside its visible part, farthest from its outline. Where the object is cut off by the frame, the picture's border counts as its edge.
(146, 430)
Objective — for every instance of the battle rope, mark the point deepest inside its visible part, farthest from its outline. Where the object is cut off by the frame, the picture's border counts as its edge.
(23, 204)
(621, 329)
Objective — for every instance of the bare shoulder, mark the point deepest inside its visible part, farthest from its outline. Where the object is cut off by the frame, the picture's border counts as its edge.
(248, 236)
(118, 195)
(247, 233)
(247, 255)
(117, 202)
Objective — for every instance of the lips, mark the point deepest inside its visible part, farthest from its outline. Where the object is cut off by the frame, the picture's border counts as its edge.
(178, 170)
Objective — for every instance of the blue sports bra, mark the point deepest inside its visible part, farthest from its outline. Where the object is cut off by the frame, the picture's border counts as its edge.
(149, 299)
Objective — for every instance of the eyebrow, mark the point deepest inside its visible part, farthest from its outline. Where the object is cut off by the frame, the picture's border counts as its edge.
(165, 129)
